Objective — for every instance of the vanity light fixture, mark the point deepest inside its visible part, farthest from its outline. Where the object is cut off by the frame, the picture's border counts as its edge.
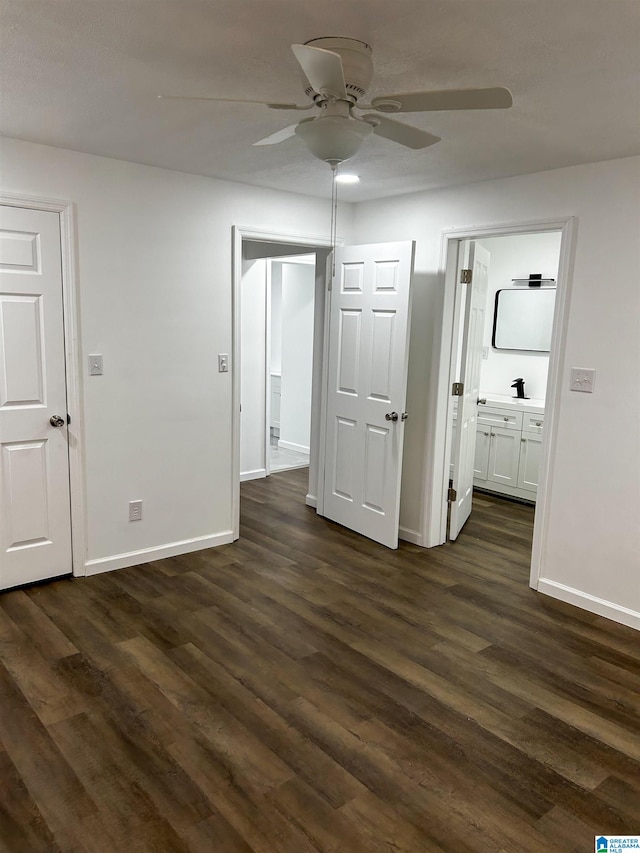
(534, 280)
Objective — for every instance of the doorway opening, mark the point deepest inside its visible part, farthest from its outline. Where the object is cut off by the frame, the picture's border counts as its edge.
(279, 284)
(277, 317)
(506, 324)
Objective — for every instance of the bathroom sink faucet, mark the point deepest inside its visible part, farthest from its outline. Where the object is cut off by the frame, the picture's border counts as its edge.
(518, 384)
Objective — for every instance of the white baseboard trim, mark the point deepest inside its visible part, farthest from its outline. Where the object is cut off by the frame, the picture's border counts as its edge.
(146, 555)
(311, 500)
(253, 475)
(408, 535)
(289, 445)
(616, 612)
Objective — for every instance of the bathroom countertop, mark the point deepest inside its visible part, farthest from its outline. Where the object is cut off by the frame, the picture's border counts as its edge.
(503, 401)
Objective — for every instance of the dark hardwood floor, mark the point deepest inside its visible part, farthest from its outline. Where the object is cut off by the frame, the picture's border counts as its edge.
(308, 690)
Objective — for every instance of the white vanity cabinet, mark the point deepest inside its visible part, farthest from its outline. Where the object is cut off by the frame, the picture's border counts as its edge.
(508, 441)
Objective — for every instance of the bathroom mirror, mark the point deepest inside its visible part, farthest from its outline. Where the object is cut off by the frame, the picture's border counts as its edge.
(523, 318)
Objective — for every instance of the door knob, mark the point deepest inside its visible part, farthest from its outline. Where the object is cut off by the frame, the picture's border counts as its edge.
(56, 421)
(391, 416)
(482, 401)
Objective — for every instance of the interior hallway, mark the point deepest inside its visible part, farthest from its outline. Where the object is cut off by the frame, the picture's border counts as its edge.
(306, 689)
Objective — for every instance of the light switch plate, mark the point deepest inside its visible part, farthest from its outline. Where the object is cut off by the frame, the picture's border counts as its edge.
(95, 365)
(582, 379)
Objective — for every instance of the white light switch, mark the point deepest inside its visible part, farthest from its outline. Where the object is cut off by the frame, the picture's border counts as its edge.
(95, 365)
(223, 362)
(582, 379)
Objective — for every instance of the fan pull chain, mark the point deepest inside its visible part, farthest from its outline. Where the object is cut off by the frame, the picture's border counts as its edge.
(334, 216)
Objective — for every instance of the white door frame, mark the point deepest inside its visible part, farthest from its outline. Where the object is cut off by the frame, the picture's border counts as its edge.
(71, 323)
(238, 235)
(436, 476)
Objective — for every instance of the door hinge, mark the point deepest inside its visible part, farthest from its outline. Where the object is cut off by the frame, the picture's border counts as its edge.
(452, 495)
(457, 389)
(465, 276)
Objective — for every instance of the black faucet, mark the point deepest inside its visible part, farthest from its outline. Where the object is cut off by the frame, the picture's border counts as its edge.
(518, 384)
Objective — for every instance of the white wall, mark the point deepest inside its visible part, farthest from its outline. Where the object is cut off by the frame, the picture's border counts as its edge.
(275, 365)
(154, 262)
(515, 257)
(252, 369)
(298, 285)
(593, 536)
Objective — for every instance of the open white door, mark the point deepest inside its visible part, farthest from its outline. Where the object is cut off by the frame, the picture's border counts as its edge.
(367, 385)
(474, 307)
(35, 519)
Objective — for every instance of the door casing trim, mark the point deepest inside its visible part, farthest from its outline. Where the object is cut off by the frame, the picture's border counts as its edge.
(66, 211)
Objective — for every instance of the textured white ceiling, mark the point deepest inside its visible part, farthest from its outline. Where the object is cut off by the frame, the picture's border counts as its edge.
(84, 74)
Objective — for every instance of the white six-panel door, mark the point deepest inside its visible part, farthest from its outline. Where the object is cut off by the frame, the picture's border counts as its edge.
(472, 341)
(367, 380)
(35, 525)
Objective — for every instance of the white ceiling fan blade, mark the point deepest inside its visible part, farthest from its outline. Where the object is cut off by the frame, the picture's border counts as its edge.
(278, 136)
(235, 101)
(405, 134)
(447, 99)
(322, 68)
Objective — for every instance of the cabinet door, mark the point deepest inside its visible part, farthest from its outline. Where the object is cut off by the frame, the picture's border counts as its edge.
(481, 461)
(504, 454)
(530, 445)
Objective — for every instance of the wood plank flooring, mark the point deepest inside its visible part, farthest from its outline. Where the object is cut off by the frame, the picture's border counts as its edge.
(305, 689)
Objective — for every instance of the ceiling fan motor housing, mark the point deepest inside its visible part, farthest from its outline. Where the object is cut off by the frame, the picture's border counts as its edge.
(356, 63)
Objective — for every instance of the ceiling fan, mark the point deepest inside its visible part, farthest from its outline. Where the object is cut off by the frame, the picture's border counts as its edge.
(339, 72)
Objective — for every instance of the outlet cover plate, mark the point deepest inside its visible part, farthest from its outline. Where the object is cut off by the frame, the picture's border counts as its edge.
(135, 510)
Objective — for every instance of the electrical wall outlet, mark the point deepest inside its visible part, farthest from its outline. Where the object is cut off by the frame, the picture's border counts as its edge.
(223, 362)
(582, 379)
(485, 352)
(95, 365)
(135, 510)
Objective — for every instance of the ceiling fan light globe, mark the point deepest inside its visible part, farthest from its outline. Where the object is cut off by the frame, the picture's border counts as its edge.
(388, 105)
(333, 139)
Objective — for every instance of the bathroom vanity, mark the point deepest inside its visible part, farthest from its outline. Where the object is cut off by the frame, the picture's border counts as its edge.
(508, 442)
